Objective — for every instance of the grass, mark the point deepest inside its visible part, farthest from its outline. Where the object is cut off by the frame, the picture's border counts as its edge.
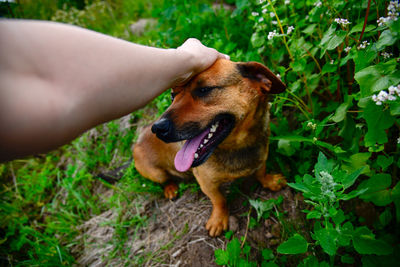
(50, 201)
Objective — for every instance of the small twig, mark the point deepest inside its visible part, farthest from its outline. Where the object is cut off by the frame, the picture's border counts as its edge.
(14, 178)
(247, 228)
(365, 21)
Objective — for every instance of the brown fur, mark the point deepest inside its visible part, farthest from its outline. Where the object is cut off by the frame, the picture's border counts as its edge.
(243, 90)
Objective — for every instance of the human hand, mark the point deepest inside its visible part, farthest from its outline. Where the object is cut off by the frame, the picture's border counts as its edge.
(201, 58)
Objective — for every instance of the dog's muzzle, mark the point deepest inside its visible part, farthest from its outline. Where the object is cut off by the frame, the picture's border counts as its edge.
(163, 129)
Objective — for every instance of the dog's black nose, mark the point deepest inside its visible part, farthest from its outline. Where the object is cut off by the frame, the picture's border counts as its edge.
(162, 127)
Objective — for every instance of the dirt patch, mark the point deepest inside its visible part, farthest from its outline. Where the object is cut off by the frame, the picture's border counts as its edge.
(174, 233)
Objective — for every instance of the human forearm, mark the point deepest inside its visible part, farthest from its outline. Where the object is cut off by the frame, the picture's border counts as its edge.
(56, 81)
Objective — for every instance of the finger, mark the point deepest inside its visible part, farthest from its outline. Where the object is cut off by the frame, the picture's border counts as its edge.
(224, 56)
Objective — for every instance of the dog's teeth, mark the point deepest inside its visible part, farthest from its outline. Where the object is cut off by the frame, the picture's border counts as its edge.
(196, 155)
(201, 146)
(213, 128)
(205, 141)
(210, 135)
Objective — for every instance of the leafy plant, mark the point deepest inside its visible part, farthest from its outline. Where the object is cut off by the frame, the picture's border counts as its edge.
(234, 254)
(263, 208)
(332, 229)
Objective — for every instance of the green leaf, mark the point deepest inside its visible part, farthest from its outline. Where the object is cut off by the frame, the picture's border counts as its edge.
(269, 264)
(394, 108)
(310, 261)
(262, 206)
(359, 27)
(339, 217)
(300, 187)
(314, 215)
(377, 189)
(233, 249)
(257, 40)
(286, 147)
(294, 245)
(327, 239)
(310, 29)
(387, 38)
(267, 254)
(221, 257)
(352, 194)
(336, 40)
(346, 231)
(384, 162)
(328, 68)
(378, 121)
(363, 58)
(347, 259)
(397, 206)
(365, 243)
(328, 35)
(351, 178)
(396, 191)
(341, 111)
(385, 217)
(373, 78)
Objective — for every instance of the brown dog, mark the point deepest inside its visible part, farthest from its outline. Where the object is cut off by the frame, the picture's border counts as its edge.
(222, 113)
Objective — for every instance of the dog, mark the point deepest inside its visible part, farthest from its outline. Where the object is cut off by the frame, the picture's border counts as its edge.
(217, 130)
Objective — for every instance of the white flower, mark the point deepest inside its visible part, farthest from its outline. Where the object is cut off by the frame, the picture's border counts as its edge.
(311, 125)
(287, 2)
(262, 1)
(271, 14)
(318, 4)
(290, 29)
(255, 14)
(261, 19)
(327, 185)
(394, 90)
(347, 49)
(398, 140)
(264, 10)
(274, 22)
(332, 62)
(271, 35)
(393, 13)
(383, 96)
(363, 45)
(386, 55)
(342, 22)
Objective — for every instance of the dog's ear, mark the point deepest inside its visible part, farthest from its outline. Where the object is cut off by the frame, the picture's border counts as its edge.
(269, 82)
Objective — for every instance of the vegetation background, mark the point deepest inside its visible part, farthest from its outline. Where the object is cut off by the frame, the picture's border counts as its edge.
(335, 135)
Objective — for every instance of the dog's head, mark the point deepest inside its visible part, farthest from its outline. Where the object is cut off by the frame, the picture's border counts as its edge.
(206, 110)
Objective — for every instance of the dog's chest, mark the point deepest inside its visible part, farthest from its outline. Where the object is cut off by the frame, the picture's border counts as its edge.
(242, 162)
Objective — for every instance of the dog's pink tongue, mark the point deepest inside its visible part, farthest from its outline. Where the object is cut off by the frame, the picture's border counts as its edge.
(184, 158)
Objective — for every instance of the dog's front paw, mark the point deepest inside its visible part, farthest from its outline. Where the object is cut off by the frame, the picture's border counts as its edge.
(273, 182)
(171, 190)
(217, 223)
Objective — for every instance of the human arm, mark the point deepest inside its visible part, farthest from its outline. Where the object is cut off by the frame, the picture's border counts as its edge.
(57, 81)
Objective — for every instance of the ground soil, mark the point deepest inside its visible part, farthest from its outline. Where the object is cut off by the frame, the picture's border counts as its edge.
(174, 234)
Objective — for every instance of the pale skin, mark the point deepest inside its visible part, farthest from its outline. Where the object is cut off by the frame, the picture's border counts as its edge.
(57, 81)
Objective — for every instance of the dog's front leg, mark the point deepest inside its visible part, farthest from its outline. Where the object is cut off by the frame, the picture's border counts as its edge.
(219, 218)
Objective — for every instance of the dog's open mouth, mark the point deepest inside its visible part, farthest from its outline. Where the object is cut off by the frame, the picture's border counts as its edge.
(197, 150)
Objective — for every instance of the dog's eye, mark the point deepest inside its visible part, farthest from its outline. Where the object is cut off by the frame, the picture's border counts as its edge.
(203, 91)
(173, 96)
